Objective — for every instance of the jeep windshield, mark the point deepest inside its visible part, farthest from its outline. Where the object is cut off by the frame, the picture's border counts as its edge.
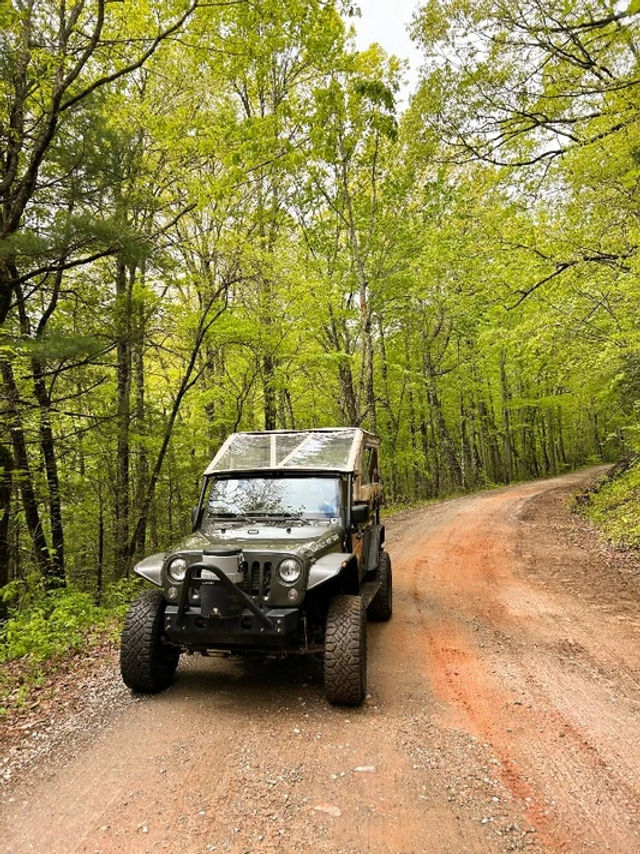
(251, 498)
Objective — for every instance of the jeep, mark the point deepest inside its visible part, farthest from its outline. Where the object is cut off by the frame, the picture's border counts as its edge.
(285, 557)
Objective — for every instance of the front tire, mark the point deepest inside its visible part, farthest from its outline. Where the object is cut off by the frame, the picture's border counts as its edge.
(147, 664)
(381, 606)
(345, 651)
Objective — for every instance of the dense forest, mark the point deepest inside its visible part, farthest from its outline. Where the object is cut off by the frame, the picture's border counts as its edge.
(215, 217)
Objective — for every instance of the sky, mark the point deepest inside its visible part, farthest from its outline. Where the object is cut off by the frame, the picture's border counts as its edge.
(386, 22)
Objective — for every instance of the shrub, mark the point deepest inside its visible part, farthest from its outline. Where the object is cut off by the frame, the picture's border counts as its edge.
(51, 624)
(614, 507)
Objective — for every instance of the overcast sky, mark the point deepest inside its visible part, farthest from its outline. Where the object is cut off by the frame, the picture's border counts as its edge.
(386, 23)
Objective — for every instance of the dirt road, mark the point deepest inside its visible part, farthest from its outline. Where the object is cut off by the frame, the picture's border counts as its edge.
(504, 714)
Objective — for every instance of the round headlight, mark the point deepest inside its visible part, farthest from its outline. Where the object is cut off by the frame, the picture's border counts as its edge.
(177, 569)
(289, 570)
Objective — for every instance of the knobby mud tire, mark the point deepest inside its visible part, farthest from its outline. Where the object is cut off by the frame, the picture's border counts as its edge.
(147, 664)
(345, 652)
(381, 606)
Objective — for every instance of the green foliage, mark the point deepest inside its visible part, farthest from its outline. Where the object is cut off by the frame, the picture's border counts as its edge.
(614, 507)
(55, 347)
(45, 624)
(118, 596)
(51, 624)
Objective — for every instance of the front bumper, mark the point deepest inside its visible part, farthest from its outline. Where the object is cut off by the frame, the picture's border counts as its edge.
(191, 628)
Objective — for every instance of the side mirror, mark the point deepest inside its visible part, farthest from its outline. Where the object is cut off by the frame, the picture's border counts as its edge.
(360, 513)
(194, 517)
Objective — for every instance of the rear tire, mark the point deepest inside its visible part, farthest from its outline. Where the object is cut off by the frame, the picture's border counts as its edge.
(345, 651)
(381, 606)
(147, 664)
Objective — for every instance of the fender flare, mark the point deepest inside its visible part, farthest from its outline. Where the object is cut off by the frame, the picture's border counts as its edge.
(328, 566)
(151, 568)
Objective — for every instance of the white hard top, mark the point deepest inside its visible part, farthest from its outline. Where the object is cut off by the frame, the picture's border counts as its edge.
(331, 449)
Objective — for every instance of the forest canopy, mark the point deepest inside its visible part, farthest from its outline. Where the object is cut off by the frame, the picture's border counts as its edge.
(214, 217)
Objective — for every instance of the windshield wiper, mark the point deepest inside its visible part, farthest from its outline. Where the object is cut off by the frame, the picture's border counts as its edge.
(232, 517)
(295, 517)
(253, 516)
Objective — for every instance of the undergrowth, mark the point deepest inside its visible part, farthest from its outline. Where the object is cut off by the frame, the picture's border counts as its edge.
(45, 628)
(613, 506)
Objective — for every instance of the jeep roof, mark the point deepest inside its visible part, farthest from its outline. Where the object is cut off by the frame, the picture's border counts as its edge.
(331, 449)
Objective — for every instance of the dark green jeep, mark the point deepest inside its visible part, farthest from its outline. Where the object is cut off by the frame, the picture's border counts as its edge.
(286, 557)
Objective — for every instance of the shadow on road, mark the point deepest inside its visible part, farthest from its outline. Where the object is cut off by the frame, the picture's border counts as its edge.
(245, 684)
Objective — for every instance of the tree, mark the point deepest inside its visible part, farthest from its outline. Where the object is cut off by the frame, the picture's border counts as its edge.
(54, 60)
(351, 193)
(527, 82)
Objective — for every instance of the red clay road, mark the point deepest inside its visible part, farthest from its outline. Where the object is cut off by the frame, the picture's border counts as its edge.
(503, 714)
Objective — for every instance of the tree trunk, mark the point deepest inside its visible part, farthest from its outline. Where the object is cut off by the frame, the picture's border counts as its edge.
(390, 422)
(6, 470)
(367, 364)
(141, 458)
(270, 397)
(433, 447)
(25, 481)
(506, 424)
(6, 289)
(338, 337)
(189, 378)
(416, 471)
(545, 453)
(123, 409)
(561, 449)
(100, 572)
(596, 435)
(551, 440)
(466, 451)
(348, 400)
(440, 425)
(47, 443)
(288, 403)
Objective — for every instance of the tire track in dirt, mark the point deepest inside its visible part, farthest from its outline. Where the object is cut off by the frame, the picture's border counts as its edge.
(537, 741)
(455, 674)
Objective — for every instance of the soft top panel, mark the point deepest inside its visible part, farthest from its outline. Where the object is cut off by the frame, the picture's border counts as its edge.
(331, 449)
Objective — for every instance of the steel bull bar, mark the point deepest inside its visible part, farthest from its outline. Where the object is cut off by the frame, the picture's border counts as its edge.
(232, 588)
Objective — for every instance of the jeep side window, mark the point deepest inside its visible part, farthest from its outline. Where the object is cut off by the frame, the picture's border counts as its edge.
(370, 466)
(366, 465)
(374, 476)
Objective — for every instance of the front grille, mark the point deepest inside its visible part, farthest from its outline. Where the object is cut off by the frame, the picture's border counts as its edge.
(254, 578)
(266, 579)
(258, 578)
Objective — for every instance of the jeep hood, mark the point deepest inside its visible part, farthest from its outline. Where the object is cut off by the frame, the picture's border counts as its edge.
(308, 542)
(304, 541)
